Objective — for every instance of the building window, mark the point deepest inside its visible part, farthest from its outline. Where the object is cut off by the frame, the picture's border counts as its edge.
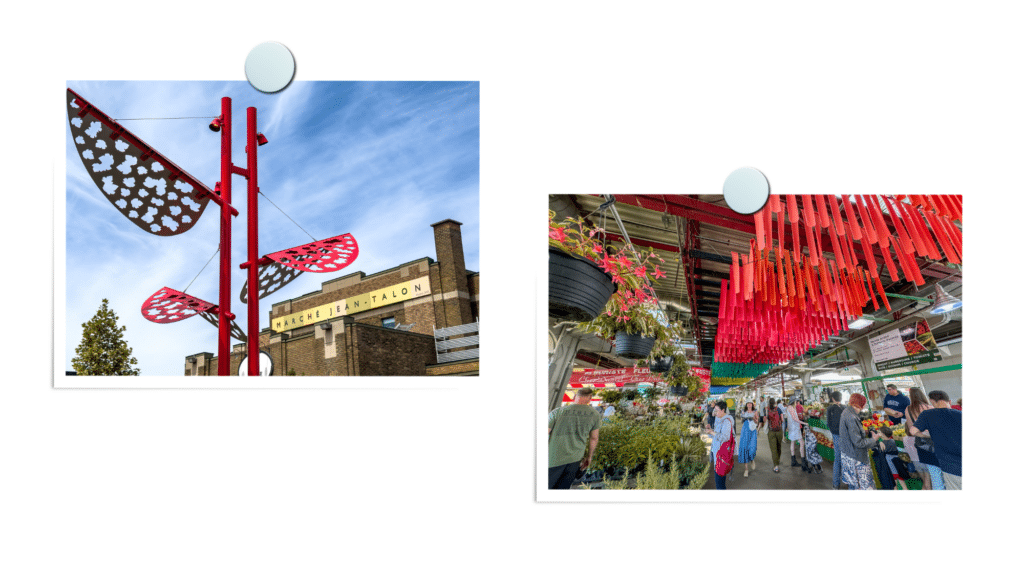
(388, 322)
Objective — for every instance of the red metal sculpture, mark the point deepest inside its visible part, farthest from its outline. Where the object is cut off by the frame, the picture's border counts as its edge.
(135, 177)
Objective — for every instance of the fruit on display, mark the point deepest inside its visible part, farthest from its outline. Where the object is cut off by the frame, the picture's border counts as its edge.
(875, 422)
(824, 439)
(899, 431)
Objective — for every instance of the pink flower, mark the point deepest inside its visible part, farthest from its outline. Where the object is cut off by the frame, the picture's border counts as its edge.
(557, 234)
(657, 272)
(640, 272)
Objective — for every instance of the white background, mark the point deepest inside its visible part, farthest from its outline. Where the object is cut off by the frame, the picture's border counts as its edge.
(575, 97)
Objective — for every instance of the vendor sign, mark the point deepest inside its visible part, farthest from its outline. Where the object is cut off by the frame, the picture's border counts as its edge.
(613, 377)
(905, 346)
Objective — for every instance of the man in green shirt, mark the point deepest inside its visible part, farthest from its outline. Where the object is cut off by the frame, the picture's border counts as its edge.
(572, 430)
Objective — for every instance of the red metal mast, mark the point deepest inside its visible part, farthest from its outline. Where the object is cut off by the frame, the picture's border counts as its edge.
(224, 303)
(252, 343)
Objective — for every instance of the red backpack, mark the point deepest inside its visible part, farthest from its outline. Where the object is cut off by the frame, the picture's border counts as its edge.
(724, 457)
(774, 420)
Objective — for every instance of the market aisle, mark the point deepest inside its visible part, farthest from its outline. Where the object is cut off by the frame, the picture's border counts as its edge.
(764, 478)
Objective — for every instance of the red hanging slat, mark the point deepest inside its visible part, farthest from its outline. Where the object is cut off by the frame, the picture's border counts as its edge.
(819, 201)
(833, 206)
(759, 229)
(812, 252)
(904, 235)
(808, 205)
(918, 224)
(851, 218)
(940, 234)
(881, 293)
(881, 228)
(794, 215)
(869, 229)
(837, 248)
(871, 290)
(782, 225)
(889, 264)
(955, 237)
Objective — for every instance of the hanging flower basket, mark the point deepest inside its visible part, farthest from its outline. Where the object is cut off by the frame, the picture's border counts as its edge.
(633, 345)
(577, 288)
(662, 364)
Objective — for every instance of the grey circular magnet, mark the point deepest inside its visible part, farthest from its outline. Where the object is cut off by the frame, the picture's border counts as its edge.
(746, 190)
(270, 67)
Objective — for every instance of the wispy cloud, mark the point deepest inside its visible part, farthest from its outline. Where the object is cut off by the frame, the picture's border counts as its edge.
(380, 160)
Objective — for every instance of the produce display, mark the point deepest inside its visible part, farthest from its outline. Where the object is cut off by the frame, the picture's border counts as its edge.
(874, 423)
(899, 431)
(824, 439)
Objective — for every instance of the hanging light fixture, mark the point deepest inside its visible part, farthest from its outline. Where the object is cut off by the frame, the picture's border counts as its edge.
(944, 302)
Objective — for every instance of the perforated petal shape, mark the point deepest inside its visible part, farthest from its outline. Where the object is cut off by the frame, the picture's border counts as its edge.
(273, 277)
(168, 305)
(324, 256)
(236, 331)
(143, 185)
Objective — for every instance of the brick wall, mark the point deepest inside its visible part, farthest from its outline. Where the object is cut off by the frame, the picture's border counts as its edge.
(463, 367)
(357, 344)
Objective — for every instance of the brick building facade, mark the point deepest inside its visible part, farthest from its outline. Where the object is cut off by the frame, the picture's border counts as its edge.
(371, 325)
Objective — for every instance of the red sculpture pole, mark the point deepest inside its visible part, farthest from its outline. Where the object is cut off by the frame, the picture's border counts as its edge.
(253, 332)
(224, 304)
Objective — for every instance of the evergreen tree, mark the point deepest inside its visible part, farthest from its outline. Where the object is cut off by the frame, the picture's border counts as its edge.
(103, 350)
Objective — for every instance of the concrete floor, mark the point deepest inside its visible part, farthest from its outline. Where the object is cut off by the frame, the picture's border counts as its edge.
(764, 478)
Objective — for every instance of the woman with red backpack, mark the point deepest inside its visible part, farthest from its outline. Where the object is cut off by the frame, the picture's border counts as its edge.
(774, 424)
(723, 435)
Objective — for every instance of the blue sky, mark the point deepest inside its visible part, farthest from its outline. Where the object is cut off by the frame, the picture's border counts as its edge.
(380, 160)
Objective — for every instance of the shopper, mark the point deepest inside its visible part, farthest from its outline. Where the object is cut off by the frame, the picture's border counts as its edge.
(923, 457)
(887, 446)
(812, 461)
(944, 426)
(832, 416)
(793, 428)
(761, 411)
(710, 422)
(748, 438)
(959, 404)
(853, 445)
(895, 404)
(572, 434)
(609, 411)
(774, 424)
(725, 426)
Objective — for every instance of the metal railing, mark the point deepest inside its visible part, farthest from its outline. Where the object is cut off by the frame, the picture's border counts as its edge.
(464, 347)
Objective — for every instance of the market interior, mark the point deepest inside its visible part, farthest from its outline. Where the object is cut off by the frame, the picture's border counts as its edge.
(702, 242)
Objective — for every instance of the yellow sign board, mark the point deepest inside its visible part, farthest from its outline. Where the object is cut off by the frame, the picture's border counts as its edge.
(359, 303)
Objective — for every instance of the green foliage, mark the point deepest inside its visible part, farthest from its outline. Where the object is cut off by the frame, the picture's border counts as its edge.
(628, 443)
(616, 483)
(658, 478)
(610, 396)
(650, 394)
(103, 350)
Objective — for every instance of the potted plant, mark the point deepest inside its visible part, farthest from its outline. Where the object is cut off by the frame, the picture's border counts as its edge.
(579, 263)
(610, 396)
(580, 275)
(661, 363)
(680, 380)
(651, 394)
